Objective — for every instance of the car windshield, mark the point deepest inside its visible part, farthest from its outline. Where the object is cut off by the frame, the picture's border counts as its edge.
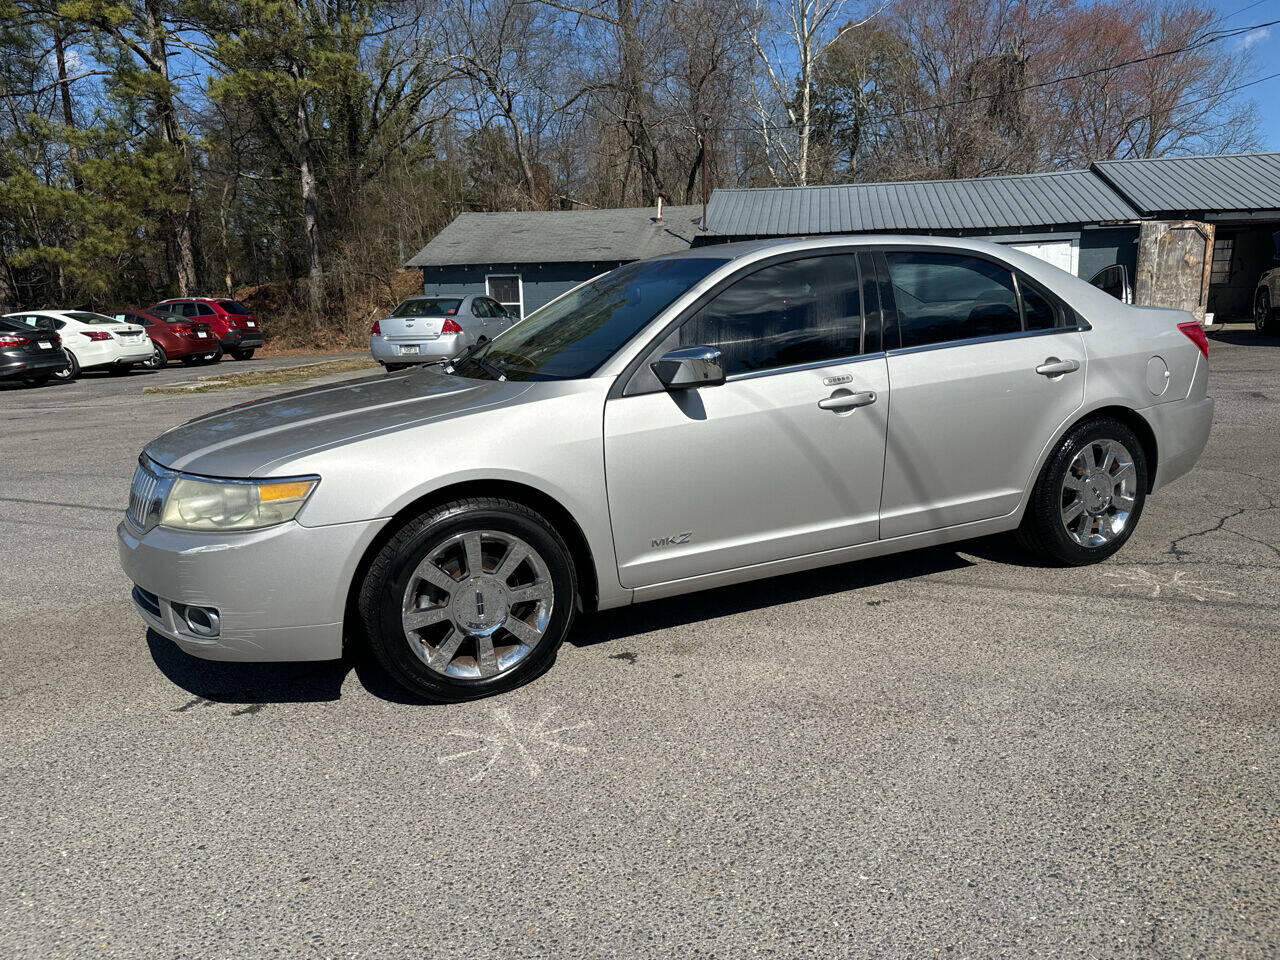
(91, 317)
(235, 308)
(427, 307)
(571, 337)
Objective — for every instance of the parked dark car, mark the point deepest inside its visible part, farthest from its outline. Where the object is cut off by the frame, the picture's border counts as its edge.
(30, 354)
(236, 329)
(173, 337)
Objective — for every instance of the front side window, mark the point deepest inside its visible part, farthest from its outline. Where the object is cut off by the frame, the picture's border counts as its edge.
(942, 297)
(574, 335)
(797, 312)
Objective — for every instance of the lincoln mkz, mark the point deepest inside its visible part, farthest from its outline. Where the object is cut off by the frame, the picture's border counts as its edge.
(721, 415)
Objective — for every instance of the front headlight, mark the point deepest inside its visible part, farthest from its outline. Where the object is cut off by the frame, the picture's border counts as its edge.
(198, 504)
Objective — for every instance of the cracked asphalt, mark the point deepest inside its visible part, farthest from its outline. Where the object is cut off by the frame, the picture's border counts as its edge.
(950, 753)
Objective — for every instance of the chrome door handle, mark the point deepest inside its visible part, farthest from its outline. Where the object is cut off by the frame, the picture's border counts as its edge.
(847, 401)
(1053, 367)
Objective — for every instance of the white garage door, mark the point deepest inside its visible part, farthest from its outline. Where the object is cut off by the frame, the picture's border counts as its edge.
(1063, 254)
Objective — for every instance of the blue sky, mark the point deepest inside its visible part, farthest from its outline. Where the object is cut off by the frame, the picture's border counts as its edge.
(1264, 46)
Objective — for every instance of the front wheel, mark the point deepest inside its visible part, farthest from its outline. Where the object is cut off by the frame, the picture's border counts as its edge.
(1263, 316)
(158, 358)
(470, 599)
(71, 370)
(1089, 495)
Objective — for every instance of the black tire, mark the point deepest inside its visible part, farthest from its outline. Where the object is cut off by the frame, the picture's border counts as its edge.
(71, 370)
(37, 379)
(202, 358)
(384, 588)
(120, 369)
(1043, 531)
(159, 359)
(242, 354)
(1264, 321)
(396, 367)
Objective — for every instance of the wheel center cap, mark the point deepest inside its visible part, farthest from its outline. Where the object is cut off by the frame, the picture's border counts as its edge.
(1096, 496)
(481, 604)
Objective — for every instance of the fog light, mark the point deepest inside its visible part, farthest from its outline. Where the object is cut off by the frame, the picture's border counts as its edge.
(202, 621)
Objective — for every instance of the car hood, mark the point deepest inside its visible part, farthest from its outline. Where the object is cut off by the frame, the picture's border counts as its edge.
(260, 437)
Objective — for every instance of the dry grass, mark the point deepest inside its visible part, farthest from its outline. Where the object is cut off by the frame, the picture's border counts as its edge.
(260, 378)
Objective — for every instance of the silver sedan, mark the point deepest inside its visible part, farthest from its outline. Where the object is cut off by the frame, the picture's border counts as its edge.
(439, 327)
(726, 414)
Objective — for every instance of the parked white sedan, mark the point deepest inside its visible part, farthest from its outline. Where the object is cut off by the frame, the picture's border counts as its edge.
(91, 339)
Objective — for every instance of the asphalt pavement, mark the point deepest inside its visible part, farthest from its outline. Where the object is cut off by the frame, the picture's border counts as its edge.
(950, 753)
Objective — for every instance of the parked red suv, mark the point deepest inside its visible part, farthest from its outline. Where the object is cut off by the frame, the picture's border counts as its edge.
(173, 336)
(236, 329)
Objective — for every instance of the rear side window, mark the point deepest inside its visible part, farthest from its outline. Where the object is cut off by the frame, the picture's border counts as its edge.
(798, 312)
(204, 310)
(480, 308)
(1040, 312)
(235, 308)
(942, 297)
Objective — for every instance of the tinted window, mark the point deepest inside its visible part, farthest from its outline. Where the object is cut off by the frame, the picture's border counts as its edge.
(235, 308)
(188, 309)
(1040, 312)
(945, 296)
(204, 310)
(427, 307)
(573, 335)
(801, 311)
(84, 317)
(1113, 280)
(480, 308)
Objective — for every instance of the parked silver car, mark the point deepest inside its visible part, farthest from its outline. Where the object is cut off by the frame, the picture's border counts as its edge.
(730, 413)
(429, 328)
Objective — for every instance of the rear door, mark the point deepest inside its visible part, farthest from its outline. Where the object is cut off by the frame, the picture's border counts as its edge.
(718, 477)
(985, 368)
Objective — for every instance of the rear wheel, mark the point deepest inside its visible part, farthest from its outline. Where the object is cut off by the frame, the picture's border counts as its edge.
(393, 367)
(1089, 495)
(1263, 315)
(158, 358)
(202, 358)
(470, 599)
(242, 354)
(37, 380)
(71, 370)
(120, 369)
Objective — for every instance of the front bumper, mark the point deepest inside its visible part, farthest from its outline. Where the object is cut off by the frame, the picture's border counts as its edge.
(238, 339)
(441, 348)
(280, 593)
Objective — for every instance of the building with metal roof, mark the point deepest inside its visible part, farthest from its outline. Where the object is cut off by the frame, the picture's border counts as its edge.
(527, 258)
(1214, 188)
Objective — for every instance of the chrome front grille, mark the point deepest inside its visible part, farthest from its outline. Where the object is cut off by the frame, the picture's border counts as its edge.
(146, 495)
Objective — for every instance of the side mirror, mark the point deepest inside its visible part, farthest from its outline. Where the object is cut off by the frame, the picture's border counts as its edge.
(690, 367)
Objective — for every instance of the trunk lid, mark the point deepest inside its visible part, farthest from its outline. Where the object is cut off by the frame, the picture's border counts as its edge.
(411, 328)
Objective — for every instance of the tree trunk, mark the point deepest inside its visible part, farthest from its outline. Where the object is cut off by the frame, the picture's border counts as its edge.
(64, 93)
(167, 121)
(634, 119)
(310, 204)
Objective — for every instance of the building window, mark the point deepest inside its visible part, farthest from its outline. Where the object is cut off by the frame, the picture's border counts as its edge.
(508, 290)
(1220, 272)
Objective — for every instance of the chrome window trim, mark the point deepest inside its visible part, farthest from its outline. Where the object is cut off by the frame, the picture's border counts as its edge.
(795, 368)
(1081, 327)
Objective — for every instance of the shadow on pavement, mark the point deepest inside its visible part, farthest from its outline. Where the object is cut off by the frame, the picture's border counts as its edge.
(320, 681)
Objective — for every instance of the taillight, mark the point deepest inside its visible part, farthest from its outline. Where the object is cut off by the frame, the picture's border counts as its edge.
(13, 340)
(97, 334)
(183, 329)
(57, 339)
(1195, 333)
(376, 329)
(451, 326)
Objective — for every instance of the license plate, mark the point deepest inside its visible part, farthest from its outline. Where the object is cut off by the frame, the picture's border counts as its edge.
(250, 323)
(201, 334)
(412, 348)
(46, 345)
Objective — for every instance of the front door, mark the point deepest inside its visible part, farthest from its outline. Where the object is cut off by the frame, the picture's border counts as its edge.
(715, 478)
(987, 371)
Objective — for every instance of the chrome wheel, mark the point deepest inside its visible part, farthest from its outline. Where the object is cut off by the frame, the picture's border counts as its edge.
(1099, 491)
(477, 604)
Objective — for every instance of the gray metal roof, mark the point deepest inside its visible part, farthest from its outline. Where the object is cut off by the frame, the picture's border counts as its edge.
(560, 236)
(1247, 181)
(1029, 200)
